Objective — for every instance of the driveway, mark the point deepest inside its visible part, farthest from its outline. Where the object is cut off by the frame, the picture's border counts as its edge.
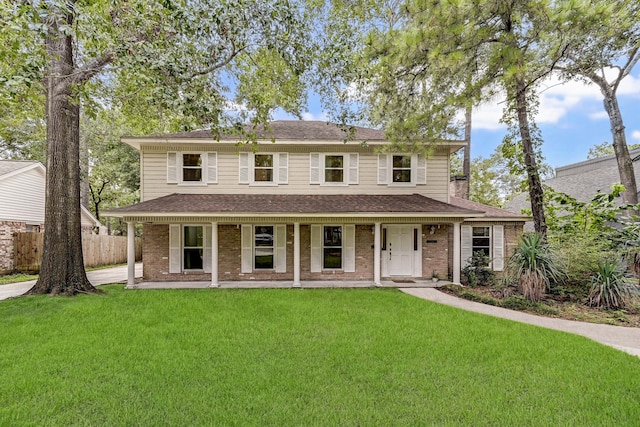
(96, 277)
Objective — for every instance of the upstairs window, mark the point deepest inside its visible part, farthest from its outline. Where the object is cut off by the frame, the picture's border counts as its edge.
(402, 169)
(263, 168)
(333, 169)
(192, 168)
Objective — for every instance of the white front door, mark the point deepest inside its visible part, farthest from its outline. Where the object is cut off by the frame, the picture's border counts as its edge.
(400, 253)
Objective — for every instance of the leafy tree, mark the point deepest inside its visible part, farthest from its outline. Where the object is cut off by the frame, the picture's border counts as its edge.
(440, 56)
(147, 56)
(605, 149)
(608, 38)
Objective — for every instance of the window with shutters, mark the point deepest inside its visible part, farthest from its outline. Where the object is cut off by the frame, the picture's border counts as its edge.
(263, 247)
(332, 247)
(402, 169)
(333, 169)
(192, 168)
(481, 240)
(193, 247)
(263, 168)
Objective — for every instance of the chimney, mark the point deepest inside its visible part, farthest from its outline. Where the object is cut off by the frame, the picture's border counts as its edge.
(459, 187)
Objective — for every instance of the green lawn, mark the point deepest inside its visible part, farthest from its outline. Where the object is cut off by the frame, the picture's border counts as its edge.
(297, 357)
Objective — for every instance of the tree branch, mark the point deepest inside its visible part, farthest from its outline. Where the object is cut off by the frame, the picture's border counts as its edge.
(218, 65)
(92, 67)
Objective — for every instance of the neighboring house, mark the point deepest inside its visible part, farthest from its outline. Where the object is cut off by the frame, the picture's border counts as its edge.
(306, 205)
(22, 197)
(581, 180)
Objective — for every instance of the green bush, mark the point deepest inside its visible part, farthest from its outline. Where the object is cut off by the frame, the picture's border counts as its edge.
(609, 289)
(477, 271)
(534, 267)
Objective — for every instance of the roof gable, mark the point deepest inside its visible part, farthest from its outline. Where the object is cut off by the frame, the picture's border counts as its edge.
(9, 168)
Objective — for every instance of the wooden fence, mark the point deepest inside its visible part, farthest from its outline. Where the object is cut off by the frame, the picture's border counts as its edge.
(97, 250)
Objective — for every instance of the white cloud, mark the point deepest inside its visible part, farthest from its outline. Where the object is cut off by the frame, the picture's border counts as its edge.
(557, 98)
(322, 116)
(635, 134)
(600, 115)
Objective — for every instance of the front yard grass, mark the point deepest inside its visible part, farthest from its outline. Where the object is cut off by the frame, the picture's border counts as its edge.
(297, 357)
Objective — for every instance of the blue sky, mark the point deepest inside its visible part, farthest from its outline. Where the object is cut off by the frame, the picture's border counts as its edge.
(571, 118)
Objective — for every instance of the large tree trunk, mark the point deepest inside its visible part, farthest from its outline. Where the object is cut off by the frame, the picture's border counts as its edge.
(533, 177)
(62, 271)
(625, 165)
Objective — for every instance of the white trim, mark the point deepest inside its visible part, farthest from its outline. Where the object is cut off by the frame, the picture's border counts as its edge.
(498, 248)
(316, 248)
(246, 239)
(349, 248)
(214, 255)
(280, 248)
(296, 255)
(175, 248)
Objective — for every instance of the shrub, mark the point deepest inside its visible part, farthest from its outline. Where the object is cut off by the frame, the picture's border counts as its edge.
(609, 289)
(477, 272)
(534, 267)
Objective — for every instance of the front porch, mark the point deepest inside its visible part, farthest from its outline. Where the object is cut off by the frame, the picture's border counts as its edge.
(286, 284)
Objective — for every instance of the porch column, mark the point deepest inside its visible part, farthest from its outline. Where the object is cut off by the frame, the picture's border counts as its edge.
(456, 252)
(131, 254)
(214, 255)
(376, 253)
(296, 255)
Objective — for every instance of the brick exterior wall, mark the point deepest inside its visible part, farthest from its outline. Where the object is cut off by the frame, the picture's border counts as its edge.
(437, 254)
(435, 250)
(7, 229)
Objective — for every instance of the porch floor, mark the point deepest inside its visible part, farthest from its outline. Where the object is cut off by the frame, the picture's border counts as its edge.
(310, 284)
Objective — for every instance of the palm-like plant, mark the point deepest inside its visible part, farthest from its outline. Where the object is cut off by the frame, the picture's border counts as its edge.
(534, 267)
(608, 286)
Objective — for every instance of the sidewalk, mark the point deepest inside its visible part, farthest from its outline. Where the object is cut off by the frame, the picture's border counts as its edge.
(96, 277)
(619, 337)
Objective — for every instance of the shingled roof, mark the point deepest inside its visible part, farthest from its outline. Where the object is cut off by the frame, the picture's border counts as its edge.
(295, 130)
(489, 211)
(303, 204)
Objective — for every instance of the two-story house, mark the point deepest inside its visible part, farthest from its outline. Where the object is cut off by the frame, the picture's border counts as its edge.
(305, 205)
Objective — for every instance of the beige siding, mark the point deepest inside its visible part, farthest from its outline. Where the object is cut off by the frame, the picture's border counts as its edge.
(22, 197)
(154, 170)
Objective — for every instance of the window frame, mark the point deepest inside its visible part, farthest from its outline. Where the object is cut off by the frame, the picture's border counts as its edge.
(411, 168)
(184, 247)
(184, 167)
(326, 247)
(255, 247)
(255, 168)
(488, 235)
(344, 169)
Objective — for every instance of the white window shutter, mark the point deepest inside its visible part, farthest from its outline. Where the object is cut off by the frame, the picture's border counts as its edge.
(172, 167)
(383, 169)
(498, 248)
(353, 168)
(212, 168)
(421, 169)
(206, 252)
(281, 248)
(175, 248)
(316, 248)
(247, 248)
(283, 168)
(465, 244)
(314, 168)
(349, 248)
(243, 168)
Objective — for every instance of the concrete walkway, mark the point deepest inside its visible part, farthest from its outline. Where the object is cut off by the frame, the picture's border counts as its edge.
(619, 337)
(96, 277)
